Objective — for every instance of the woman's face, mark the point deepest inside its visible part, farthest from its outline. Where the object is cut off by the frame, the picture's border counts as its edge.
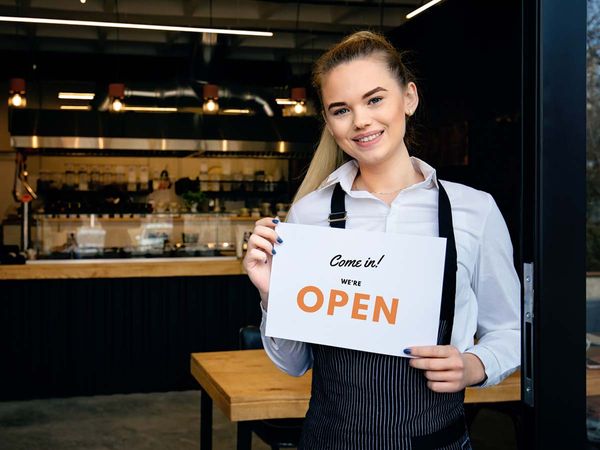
(365, 110)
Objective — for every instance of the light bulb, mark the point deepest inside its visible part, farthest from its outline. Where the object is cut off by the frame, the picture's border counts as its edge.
(210, 105)
(117, 105)
(299, 108)
(82, 2)
(17, 100)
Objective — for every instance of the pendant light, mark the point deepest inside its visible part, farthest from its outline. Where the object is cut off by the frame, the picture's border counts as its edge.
(116, 93)
(210, 92)
(299, 98)
(16, 93)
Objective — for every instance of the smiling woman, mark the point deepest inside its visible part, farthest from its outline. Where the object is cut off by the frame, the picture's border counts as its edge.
(363, 177)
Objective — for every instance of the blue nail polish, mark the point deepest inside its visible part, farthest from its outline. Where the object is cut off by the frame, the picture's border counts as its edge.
(407, 351)
(279, 240)
(273, 251)
(275, 220)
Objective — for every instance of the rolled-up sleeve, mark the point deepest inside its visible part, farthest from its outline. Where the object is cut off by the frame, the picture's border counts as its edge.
(497, 288)
(292, 357)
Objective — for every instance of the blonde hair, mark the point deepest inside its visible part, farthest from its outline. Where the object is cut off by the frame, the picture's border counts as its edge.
(361, 44)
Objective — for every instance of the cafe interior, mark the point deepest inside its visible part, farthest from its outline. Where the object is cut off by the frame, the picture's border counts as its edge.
(139, 143)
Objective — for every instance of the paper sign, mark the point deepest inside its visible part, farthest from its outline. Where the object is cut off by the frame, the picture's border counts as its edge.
(364, 290)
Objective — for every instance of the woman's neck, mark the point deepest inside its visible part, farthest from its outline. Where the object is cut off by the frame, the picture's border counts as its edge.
(386, 180)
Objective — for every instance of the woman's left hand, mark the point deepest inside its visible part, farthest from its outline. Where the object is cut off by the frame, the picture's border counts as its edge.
(446, 368)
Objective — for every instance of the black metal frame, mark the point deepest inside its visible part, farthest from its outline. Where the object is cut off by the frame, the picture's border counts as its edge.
(553, 218)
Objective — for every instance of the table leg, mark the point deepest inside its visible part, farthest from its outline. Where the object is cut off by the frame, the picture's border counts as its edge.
(244, 436)
(206, 407)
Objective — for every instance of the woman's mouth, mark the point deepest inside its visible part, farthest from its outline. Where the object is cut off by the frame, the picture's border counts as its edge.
(367, 138)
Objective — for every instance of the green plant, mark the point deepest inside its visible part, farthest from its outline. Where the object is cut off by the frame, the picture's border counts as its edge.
(191, 197)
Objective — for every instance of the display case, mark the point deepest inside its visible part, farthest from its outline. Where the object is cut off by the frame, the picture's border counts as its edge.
(91, 236)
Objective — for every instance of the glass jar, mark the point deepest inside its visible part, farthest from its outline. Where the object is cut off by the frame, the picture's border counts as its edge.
(84, 179)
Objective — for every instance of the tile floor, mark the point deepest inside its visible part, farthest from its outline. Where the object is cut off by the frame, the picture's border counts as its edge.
(157, 421)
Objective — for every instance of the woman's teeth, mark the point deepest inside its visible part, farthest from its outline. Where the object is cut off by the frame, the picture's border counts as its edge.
(370, 138)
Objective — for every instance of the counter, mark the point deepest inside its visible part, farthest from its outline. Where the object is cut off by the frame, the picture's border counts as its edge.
(123, 268)
(81, 327)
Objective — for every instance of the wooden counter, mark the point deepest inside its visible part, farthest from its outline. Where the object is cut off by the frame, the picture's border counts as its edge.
(123, 268)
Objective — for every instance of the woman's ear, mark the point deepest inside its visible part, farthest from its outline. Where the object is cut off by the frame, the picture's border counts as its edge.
(411, 98)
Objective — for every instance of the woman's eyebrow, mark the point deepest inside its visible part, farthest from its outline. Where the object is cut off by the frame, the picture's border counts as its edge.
(367, 94)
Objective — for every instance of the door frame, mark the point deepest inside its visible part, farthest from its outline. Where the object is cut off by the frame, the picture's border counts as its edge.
(553, 220)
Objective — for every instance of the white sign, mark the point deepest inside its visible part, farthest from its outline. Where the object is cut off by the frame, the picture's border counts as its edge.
(364, 290)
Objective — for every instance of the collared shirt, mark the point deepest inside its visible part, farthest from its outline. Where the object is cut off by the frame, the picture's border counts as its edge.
(487, 305)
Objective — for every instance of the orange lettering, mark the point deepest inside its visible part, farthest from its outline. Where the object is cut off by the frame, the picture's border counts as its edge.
(300, 299)
(357, 306)
(333, 294)
(380, 305)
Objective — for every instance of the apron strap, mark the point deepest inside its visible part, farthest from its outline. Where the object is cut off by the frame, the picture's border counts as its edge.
(446, 229)
(337, 219)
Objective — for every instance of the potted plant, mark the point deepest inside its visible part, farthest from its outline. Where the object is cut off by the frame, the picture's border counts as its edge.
(193, 200)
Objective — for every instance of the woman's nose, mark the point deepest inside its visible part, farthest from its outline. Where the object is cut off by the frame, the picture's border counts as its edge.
(361, 119)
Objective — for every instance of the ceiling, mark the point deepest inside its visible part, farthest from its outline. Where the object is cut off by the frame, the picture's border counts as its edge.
(302, 29)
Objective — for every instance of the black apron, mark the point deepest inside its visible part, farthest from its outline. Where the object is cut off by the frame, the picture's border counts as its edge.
(363, 400)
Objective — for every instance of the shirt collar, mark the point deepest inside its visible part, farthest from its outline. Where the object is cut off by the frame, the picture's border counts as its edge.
(346, 173)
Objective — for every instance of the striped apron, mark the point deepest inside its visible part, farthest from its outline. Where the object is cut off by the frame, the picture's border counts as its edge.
(364, 400)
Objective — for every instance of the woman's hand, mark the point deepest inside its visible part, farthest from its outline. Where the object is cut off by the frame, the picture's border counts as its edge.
(447, 369)
(261, 248)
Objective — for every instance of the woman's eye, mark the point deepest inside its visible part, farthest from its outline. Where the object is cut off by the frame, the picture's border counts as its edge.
(375, 100)
(339, 112)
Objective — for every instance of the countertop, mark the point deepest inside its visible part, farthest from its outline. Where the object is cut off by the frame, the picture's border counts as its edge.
(123, 268)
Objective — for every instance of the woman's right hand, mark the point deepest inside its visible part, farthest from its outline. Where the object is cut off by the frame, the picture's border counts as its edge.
(259, 256)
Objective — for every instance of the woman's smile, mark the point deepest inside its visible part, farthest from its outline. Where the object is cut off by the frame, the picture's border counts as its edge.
(368, 139)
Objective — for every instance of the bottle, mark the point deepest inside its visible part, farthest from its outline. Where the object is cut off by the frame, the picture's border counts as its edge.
(144, 177)
(214, 176)
(131, 178)
(69, 177)
(84, 179)
(226, 177)
(248, 179)
(95, 178)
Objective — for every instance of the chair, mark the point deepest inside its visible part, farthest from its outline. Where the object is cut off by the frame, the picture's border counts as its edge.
(277, 433)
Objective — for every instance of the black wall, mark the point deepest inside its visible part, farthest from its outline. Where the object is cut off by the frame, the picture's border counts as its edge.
(467, 59)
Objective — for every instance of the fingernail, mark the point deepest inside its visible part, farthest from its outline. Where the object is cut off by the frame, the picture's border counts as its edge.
(273, 251)
(279, 240)
(275, 220)
(407, 351)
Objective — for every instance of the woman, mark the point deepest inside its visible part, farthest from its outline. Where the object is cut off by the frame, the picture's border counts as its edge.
(362, 167)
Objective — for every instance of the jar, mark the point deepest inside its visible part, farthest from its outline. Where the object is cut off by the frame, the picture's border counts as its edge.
(95, 178)
(69, 177)
(84, 179)
(255, 213)
(265, 209)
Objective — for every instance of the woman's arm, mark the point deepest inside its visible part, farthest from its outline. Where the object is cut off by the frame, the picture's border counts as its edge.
(497, 288)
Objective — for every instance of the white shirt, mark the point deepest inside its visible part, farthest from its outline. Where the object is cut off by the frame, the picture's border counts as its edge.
(487, 304)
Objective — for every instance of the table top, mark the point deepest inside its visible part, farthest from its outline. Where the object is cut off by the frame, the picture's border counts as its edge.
(246, 385)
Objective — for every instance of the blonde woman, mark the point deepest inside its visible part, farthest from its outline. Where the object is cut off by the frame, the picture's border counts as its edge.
(362, 171)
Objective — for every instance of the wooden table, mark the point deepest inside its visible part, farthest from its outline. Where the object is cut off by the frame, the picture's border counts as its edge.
(246, 385)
